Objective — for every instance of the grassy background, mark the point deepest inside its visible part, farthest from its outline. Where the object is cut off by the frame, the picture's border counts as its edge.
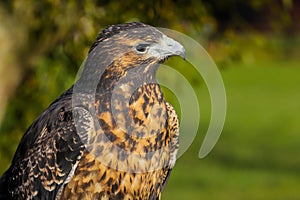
(257, 156)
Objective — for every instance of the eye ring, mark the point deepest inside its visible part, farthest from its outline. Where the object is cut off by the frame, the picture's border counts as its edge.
(142, 48)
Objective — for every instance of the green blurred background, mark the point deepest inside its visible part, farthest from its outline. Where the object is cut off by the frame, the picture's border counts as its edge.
(255, 44)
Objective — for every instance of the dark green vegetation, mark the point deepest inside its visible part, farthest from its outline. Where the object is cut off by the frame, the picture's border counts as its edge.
(255, 45)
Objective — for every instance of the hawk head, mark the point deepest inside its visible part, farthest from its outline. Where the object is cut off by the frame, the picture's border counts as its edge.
(122, 47)
(143, 41)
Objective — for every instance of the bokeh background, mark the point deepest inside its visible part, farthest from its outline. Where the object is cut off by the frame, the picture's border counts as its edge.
(255, 44)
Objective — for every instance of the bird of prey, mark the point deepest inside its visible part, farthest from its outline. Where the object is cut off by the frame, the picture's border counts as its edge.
(111, 135)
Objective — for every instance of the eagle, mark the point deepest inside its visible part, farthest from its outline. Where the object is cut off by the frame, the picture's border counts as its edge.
(111, 135)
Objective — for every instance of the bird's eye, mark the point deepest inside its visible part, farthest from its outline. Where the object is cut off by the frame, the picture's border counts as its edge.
(142, 48)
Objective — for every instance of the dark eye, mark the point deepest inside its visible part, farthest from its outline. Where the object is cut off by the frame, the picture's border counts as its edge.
(142, 48)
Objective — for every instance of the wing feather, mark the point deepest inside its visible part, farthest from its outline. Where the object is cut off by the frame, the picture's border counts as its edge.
(47, 155)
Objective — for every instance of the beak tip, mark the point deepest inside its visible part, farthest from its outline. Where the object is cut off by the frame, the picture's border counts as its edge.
(181, 53)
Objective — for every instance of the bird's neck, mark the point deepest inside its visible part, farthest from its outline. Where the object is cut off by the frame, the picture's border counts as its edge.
(117, 84)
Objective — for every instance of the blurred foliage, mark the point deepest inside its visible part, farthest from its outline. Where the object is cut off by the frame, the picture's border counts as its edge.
(43, 44)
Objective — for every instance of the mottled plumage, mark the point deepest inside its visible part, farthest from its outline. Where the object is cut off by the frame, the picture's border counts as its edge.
(110, 136)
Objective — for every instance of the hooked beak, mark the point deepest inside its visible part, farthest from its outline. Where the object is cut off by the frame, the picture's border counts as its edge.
(168, 47)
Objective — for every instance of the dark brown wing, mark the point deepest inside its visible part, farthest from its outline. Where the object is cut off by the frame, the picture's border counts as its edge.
(46, 156)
